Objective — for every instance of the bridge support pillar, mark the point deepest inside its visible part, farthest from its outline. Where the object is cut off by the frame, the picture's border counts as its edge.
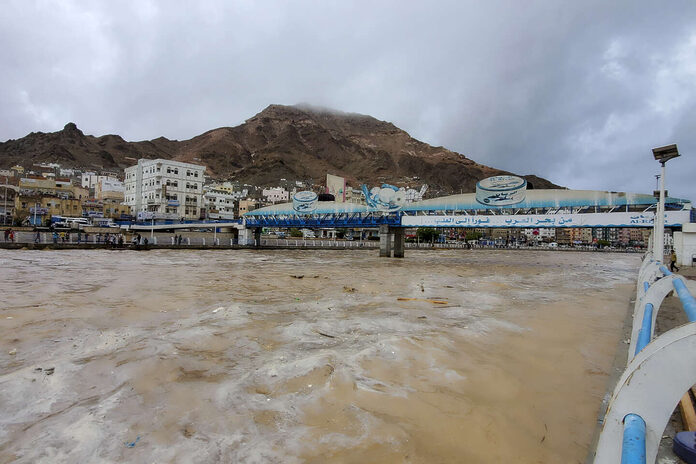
(257, 237)
(384, 241)
(399, 242)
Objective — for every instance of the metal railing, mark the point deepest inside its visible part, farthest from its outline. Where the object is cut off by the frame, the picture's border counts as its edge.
(658, 372)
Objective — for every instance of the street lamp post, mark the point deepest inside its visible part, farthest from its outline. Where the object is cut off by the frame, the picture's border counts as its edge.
(4, 208)
(662, 155)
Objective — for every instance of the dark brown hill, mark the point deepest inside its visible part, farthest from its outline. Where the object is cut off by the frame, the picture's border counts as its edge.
(290, 142)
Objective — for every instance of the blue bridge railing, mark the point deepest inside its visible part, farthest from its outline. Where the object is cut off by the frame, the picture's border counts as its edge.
(637, 414)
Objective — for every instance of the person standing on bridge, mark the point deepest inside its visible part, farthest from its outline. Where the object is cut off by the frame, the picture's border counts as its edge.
(673, 261)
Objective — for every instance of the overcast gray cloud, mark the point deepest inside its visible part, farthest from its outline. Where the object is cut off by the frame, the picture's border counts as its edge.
(578, 92)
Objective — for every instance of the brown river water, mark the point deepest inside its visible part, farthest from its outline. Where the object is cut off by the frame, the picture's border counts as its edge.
(230, 356)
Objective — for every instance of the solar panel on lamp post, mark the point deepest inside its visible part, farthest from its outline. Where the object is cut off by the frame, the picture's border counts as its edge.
(662, 155)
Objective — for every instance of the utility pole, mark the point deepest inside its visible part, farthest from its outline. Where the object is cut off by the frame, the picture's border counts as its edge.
(4, 209)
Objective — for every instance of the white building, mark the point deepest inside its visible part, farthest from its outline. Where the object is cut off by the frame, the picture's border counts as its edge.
(170, 188)
(90, 180)
(109, 188)
(275, 195)
(68, 172)
(542, 234)
(219, 203)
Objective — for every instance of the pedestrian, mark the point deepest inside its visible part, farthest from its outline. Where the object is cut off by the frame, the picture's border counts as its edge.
(11, 235)
(55, 237)
(7, 234)
(673, 261)
(62, 237)
(86, 237)
(79, 236)
(37, 238)
(180, 239)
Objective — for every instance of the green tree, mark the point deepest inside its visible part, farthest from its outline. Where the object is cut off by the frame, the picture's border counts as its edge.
(473, 235)
(295, 232)
(427, 234)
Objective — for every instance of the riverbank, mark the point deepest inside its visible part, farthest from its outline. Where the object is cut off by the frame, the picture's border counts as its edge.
(299, 245)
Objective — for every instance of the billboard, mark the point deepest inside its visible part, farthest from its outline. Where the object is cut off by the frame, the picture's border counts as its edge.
(386, 198)
(501, 190)
(336, 186)
(304, 202)
(536, 221)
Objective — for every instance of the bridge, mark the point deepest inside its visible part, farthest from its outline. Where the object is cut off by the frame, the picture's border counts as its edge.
(533, 209)
(173, 225)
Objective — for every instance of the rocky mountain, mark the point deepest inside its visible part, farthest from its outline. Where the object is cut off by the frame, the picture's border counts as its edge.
(290, 142)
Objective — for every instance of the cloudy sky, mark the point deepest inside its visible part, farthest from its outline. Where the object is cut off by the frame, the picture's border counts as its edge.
(577, 92)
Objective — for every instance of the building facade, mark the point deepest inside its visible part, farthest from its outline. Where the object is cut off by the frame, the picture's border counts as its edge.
(275, 195)
(219, 204)
(170, 189)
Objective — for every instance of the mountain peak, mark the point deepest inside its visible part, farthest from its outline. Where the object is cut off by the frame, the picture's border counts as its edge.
(299, 142)
(71, 129)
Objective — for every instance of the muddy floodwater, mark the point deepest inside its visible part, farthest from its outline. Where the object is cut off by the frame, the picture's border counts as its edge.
(306, 356)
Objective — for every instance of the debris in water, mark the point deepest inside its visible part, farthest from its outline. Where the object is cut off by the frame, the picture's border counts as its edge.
(299, 276)
(325, 334)
(49, 370)
(347, 289)
(13, 351)
(132, 443)
(442, 302)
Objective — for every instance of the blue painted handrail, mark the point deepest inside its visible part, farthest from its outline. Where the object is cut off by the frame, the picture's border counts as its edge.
(645, 333)
(687, 300)
(633, 449)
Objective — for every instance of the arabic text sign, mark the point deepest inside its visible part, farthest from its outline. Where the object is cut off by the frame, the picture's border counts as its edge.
(672, 218)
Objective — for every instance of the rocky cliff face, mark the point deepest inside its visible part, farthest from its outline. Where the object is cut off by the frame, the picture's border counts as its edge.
(291, 142)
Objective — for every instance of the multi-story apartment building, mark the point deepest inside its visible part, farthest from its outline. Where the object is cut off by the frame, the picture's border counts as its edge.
(232, 188)
(563, 236)
(244, 206)
(109, 189)
(581, 235)
(219, 204)
(542, 234)
(169, 188)
(275, 195)
(90, 181)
